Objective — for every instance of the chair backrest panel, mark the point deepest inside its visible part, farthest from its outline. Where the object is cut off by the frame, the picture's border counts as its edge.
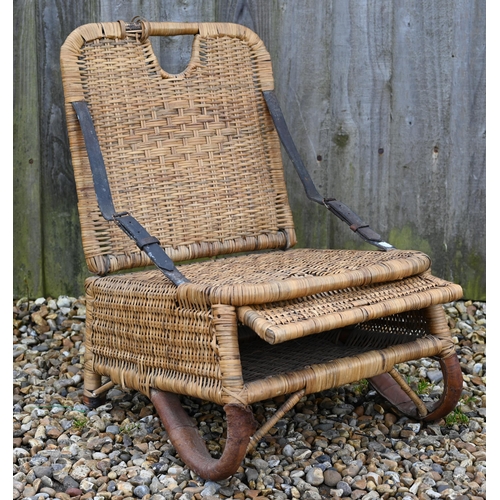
(193, 157)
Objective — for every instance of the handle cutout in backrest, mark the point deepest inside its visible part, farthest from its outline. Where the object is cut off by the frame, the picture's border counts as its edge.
(172, 44)
(174, 53)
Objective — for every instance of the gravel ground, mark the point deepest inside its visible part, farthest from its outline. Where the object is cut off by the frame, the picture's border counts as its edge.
(343, 443)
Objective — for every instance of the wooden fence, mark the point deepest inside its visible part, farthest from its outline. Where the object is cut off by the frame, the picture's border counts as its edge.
(385, 99)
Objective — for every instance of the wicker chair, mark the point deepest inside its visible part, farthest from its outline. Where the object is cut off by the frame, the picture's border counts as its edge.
(181, 171)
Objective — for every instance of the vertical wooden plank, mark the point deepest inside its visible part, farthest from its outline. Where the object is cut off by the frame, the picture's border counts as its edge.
(63, 264)
(338, 78)
(245, 12)
(126, 10)
(438, 137)
(463, 247)
(27, 226)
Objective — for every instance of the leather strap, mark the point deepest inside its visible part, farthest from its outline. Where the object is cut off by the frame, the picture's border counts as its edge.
(287, 141)
(101, 184)
(355, 223)
(342, 211)
(129, 225)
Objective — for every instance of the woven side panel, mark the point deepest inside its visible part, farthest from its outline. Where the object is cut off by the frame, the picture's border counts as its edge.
(194, 157)
(340, 371)
(140, 336)
(260, 359)
(287, 320)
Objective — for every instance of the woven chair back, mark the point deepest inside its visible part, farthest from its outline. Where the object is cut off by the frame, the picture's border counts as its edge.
(194, 157)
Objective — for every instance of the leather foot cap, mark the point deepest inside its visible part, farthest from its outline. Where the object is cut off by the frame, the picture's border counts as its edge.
(94, 402)
(183, 434)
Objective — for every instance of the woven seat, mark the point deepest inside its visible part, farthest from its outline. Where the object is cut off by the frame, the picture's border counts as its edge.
(184, 173)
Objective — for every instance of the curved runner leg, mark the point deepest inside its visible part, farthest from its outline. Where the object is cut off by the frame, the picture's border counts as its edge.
(184, 435)
(387, 387)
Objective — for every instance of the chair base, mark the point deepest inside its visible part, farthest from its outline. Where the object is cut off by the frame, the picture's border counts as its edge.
(299, 367)
(242, 432)
(241, 425)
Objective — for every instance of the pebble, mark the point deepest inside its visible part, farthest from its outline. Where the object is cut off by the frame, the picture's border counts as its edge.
(315, 476)
(332, 477)
(344, 486)
(345, 443)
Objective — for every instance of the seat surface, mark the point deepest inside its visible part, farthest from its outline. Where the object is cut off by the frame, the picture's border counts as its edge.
(283, 275)
(285, 295)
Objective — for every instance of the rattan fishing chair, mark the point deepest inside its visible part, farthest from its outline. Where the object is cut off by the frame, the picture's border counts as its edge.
(174, 168)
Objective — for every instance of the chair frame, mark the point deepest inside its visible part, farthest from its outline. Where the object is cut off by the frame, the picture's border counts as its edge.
(226, 322)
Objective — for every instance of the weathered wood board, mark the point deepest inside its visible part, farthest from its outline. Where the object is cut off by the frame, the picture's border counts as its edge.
(386, 102)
